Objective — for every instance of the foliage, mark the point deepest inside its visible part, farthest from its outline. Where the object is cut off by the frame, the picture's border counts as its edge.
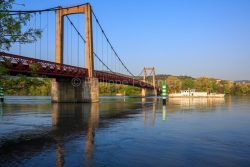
(130, 90)
(11, 27)
(173, 83)
(110, 89)
(205, 84)
(23, 85)
(34, 67)
(177, 83)
(3, 70)
(187, 83)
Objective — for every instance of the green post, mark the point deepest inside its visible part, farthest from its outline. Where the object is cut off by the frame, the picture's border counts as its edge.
(1, 94)
(164, 92)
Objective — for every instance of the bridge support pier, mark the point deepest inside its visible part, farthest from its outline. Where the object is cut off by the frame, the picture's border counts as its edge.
(75, 90)
(91, 90)
(148, 92)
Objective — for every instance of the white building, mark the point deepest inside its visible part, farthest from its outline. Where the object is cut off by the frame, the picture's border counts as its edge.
(193, 93)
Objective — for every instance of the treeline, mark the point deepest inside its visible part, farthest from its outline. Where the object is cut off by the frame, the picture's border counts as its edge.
(26, 86)
(175, 84)
(109, 89)
(35, 86)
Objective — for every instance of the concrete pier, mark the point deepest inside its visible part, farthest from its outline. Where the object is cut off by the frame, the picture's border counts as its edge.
(84, 90)
(90, 89)
(148, 92)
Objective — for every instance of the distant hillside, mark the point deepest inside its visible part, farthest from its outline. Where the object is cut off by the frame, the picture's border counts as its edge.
(22, 85)
(164, 76)
(242, 81)
(207, 84)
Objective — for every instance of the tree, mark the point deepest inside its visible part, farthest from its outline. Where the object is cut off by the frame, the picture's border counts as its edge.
(225, 86)
(236, 89)
(2, 70)
(11, 24)
(11, 29)
(248, 92)
(173, 84)
(205, 84)
(23, 85)
(243, 89)
(187, 83)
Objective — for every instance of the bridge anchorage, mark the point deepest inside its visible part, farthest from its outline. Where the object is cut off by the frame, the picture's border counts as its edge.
(72, 83)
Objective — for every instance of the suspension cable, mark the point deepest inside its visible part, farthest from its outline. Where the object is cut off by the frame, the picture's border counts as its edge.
(71, 46)
(40, 41)
(107, 54)
(35, 41)
(75, 28)
(110, 43)
(16, 12)
(96, 43)
(20, 52)
(47, 35)
(140, 73)
(85, 42)
(102, 50)
(78, 52)
(103, 62)
(67, 42)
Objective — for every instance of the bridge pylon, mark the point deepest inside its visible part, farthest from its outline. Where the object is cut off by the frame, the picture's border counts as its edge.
(146, 91)
(62, 89)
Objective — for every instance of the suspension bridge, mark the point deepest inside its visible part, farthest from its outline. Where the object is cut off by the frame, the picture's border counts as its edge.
(84, 59)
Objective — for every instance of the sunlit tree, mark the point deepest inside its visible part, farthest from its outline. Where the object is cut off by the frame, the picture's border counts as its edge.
(11, 29)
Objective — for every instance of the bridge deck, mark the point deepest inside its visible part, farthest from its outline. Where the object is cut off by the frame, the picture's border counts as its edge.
(16, 64)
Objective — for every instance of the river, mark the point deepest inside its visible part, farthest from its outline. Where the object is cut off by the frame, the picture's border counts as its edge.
(129, 132)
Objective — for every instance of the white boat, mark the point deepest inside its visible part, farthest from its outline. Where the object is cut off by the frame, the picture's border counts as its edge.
(192, 93)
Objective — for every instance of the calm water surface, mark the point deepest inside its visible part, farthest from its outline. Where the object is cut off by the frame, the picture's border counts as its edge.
(125, 132)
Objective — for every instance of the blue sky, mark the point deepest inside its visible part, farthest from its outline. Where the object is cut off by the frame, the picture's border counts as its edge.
(179, 37)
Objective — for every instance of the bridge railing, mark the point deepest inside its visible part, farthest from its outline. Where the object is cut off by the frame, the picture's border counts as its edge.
(16, 64)
(120, 79)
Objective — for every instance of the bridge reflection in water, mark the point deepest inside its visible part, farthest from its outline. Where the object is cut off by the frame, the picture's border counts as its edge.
(68, 122)
(74, 118)
(69, 117)
(149, 110)
(81, 122)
